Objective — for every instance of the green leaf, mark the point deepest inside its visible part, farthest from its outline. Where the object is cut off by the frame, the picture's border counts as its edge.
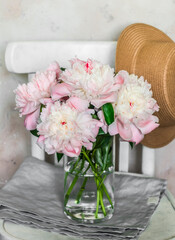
(63, 69)
(101, 132)
(59, 156)
(34, 132)
(102, 150)
(108, 112)
(109, 162)
(94, 116)
(91, 106)
(102, 141)
(41, 107)
(131, 144)
(98, 157)
(106, 150)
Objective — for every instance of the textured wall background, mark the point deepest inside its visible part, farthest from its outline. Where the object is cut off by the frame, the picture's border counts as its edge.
(69, 20)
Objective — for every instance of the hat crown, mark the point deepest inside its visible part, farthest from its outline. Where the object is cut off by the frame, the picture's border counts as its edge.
(160, 57)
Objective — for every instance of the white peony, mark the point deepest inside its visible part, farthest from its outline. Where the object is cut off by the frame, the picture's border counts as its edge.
(134, 99)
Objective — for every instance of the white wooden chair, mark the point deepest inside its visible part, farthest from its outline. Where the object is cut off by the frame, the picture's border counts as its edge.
(28, 57)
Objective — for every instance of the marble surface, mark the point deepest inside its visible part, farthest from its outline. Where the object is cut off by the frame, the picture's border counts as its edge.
(24, 20)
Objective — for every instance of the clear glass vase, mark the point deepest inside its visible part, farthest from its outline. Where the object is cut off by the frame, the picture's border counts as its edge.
(89, 184)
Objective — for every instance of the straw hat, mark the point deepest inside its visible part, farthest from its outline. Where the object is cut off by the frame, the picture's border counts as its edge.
(147, 51)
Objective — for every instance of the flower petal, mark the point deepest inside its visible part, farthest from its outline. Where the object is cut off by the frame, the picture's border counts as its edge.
(137, 136)
(88, 145)
(29, 108)
(55, 68)
(113, 129)
(44, 101)
(102, 119)
(96, 127)
(122, 76)
(72, 151)
(78, 104)
(124, 130)
(40, 141)
(61, 90)
(146, 126)
(31, 119)
(119, 79)
(110, 98)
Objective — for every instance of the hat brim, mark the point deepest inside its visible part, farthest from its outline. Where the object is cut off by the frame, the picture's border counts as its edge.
(160, 137)
(129, 43)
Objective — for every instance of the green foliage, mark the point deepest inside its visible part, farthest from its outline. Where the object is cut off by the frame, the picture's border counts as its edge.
(108, 112)
(131, 144)
(94, 116)
(63, 69)
(34, 132)
(109, 162)
(106, 150)
(102, 151)
(102, 141)
(41, 107)
(98, 157)
(91, 106)
(59, 156)
(101, 132)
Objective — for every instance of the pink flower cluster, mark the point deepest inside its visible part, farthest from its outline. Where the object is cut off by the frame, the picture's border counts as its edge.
(61, 105)
(29, 97)
(65, 128)
(133, 109)
(89, 80)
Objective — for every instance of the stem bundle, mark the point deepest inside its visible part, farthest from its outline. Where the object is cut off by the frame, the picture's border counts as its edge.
(99, 179)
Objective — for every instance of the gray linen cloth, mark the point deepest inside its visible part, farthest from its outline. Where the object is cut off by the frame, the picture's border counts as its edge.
(34, 197)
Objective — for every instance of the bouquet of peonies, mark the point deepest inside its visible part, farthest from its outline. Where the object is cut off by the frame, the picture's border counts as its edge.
(76, 112)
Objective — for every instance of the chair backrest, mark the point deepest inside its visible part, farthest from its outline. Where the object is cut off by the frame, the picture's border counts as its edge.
(28, 57)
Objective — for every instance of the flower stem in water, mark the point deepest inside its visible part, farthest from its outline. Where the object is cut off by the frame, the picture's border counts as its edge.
(101, 202)
(78, 199)
(98, 200)
(66, 198)
(98, 177)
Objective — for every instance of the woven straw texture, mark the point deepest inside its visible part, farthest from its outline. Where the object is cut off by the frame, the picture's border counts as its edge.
(146, 51)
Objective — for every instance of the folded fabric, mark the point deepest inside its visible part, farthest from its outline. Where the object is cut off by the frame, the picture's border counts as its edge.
(34, 197)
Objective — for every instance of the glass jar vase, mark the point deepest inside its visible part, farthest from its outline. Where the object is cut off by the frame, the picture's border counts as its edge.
(89, 183)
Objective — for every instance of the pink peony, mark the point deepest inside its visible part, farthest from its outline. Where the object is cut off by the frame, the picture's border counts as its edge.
(90, 80)
(133, 109)
(29, 97)
(66, 127)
